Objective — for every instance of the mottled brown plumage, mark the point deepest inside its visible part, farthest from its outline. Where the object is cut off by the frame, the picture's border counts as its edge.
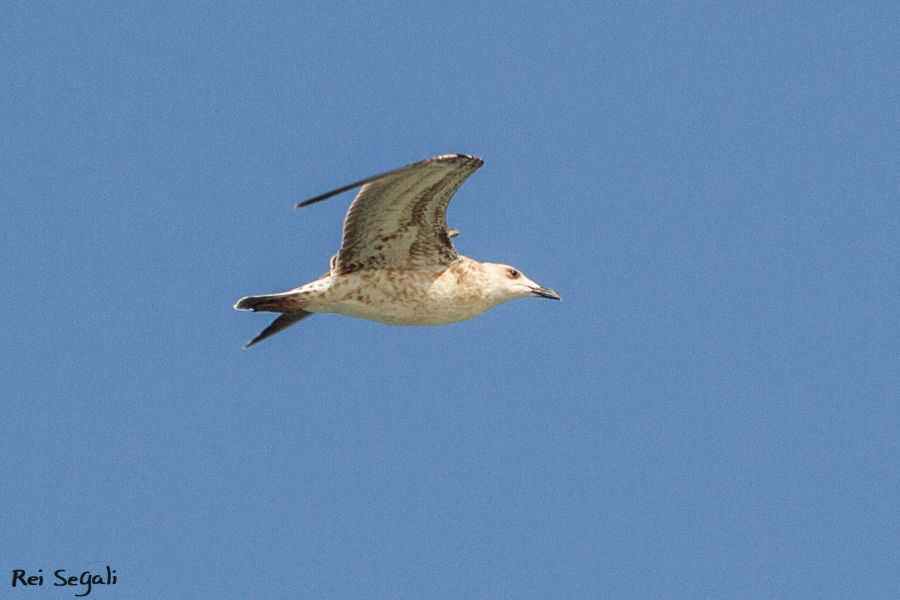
(397, 264)
(399, 219)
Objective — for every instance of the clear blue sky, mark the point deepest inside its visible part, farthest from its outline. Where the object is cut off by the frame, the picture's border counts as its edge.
(712, 411)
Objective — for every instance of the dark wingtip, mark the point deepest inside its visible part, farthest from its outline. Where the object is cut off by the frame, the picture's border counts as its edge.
(281, 323)
(362, 182)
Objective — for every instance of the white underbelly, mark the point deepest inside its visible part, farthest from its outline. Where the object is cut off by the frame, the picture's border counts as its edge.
(423, 313)
(414, 299)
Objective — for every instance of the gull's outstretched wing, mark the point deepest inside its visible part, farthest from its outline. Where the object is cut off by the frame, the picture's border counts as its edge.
(398, 220)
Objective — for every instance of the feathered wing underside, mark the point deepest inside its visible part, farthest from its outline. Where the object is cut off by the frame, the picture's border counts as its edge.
(398, 220)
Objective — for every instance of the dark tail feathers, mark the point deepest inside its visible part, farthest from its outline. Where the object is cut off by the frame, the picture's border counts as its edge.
(270, 303)
(284, 303)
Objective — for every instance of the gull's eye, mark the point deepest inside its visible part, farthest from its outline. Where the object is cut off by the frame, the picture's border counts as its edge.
(513, 274)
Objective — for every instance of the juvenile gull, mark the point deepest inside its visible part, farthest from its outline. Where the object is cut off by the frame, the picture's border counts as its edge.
(397, 264)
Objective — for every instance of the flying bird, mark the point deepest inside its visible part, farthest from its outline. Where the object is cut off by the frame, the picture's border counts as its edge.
(397, 264)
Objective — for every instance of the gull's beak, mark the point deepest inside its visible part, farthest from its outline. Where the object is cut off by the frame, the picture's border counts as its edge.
(545, 293)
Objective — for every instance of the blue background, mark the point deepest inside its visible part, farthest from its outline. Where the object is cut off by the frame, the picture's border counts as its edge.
(713, 411)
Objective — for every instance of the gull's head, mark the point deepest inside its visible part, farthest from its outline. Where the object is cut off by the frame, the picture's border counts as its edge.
(508, 283)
